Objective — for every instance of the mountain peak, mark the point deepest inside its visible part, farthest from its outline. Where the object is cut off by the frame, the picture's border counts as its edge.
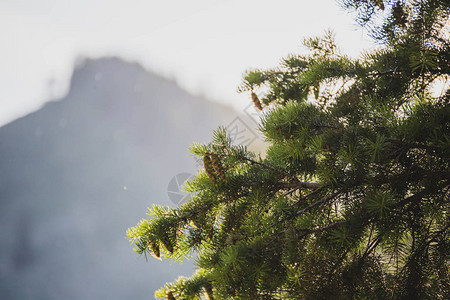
(85, 168)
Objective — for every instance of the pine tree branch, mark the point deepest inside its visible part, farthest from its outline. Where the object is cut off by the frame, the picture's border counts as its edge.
(281, 172)
(423, 193)
(301, 184)
(435, 235)
(387, 72)
(315, 230)
(324, 228)
(411, 145)
(311, 194)
(326, 126)
(371, 246)
(321, 201)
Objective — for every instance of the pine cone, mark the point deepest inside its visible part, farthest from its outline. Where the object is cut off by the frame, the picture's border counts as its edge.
(209, 292)
(170, 296)
(217, 165)
(316, 92)
(256, 101)
(155, 249)
(399, 14)
(380, 4)
(209, 168)
(167, 243)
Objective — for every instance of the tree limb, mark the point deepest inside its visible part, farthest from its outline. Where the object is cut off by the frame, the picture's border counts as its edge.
(301, 184)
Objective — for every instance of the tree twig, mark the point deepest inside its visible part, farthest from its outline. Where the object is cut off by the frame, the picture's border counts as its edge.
(321, 201)
(281, 172)
(320, 229)
(301, 184)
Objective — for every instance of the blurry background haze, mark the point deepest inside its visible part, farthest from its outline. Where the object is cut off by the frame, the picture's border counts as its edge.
(204, 44)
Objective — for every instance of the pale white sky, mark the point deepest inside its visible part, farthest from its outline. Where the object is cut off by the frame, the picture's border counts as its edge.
(205, 44)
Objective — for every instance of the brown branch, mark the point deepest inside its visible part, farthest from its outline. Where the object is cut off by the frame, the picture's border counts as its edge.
(310, 194)
(372, 245)
(423, 193)
(301, 184)
(320, 229)
(309, 207)
(315, 230)
(326, 126)
(434, 236)
(381, 73)
(321, 201)
(411, 145)
(281, 172)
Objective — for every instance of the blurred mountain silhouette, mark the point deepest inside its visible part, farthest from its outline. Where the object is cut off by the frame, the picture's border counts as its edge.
(77, 173)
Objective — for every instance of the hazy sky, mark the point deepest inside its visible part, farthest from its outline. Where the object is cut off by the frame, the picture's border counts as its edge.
(204, 44)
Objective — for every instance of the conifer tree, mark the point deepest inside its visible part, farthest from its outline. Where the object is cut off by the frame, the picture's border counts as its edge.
(351, 199)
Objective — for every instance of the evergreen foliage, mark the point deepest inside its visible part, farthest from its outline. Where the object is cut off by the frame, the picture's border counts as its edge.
(351, 200)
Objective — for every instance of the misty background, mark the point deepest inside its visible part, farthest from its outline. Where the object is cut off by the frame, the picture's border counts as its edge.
(99, 103)
(81, 170)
